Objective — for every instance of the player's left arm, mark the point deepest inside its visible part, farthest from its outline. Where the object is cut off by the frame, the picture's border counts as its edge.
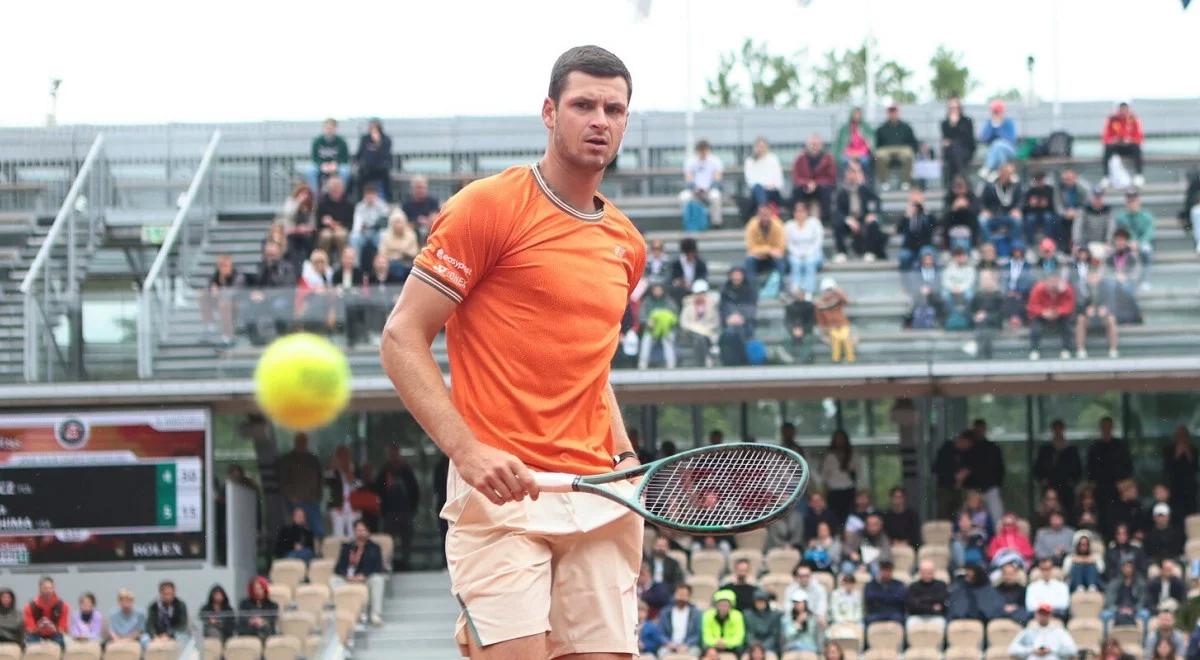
(621, 442)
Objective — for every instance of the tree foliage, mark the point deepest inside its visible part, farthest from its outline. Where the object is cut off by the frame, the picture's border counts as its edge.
(773, 80)
(842, 77)
(723, 92)
(949, 77)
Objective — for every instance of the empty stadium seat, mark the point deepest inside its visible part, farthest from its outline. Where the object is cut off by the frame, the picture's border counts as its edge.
(83, 651)
(320, 570)
(287, 571)
(849, 636)
(312, 646)
(782, 560)
(753, 556)
(1088, 633)
(790, 655)
(297, 624)
(162, 649)
(1192, 549)
(123, 649)
(903, 556)
(312, 597)
(966, 633)
(679, 656)
(938, 554)
(243, 648)
(10, 651)
(212, 648)
(280, 594)
(752, 540)
(43, 651)
(1126, 635)
(681, 558)
(708, 562)
(826, 580)
(878, 654)
(703, 588)
(936, 533)
(777, 584)
(1086, 604)
(962, 653)
(282, 647)
(922, 654)
(332, 546)
(1001, 632)
(387, 548)
(997, 653)
(344, 624)
(926, 635)
(350, 598)
(1192, 525)
(885, 635)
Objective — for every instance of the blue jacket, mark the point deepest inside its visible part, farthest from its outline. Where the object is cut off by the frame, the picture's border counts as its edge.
(651, 638)
(885, 601)
(1007, 132)
(692, 638)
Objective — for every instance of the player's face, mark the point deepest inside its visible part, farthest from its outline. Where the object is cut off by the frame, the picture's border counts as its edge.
(588, 122)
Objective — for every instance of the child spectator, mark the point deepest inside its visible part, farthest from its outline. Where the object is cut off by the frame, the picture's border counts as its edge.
(831, 319)
(87, 624)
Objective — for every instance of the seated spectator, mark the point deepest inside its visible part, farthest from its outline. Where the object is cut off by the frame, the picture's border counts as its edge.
(1054, 540)
(1163, 540)
(799, 318)
(823, 551)
(650, 636)
(295, 541)
(805, 252)
(657, 263)
(1016, 282)
(656, 595)
(831, 319)
(1124, 598)
(819, 512)
(1096, 310)
(1000, 208)
(373, 160)
(856, 218)
(738, 298)
(258, 613)
(658, 317)
(1051, 304)
(927, 596)
(1044, 588)
(814, 177)
(127, 623)
(1013, 593)
(1037, 209)
(766, 244)
(1123, 136)
(901, 523)
(987, 314)
(961, 216)
(420, 208)
(802, 630)
(680, 623)
(1125, 262)
(382, 288)
(360, 561)
(762, 623)
(1087, 513)
(895, 141)
(741, 585)
(335, 216)
(846, 601)
(815, 597)
(315, 295)
(958, 278)
(167, 618)
(87, 624)
(702, 174)
(916, 233)
(1128, 509)
(370, 218)
(12, 624)
(700, 322)
(988, 259)
(1048, 259)
(1009, 537)
(1167, 588)
(1164, 632)
(926, 278)
(217, 617)
(855, 143)
(723, 627)
(299, 224)
(1095, 225)
(764, 175)
(688, 269)
(973, 597)
(1122, 549)
(1069, 199)
(1139, 224)
(220, 299)
(968, 542)
(999, 133)
(663, 568)
(269, 304)
(399, 244)
(1083, 568)
(861, 507)
(870, 547)
(330, 156)
(348, 282)
(1043, 639)
(958, 140)
(885, 597)
(46, 616)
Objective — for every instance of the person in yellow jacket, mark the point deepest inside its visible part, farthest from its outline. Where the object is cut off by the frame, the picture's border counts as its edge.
(766, 243)
(723, 627)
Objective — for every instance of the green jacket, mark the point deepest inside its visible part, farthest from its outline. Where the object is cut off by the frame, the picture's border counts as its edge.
(843, 138)
(899, 135)
(1140, 225)
(763, 627)
(324, 150)
(732, 632)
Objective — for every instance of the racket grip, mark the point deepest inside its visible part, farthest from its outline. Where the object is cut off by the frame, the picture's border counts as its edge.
(555, 482)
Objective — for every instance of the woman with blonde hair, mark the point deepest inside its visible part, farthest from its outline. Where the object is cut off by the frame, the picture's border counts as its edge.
(399, 242)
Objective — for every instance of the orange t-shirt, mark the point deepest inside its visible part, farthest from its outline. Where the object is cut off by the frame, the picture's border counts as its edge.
(541, 289)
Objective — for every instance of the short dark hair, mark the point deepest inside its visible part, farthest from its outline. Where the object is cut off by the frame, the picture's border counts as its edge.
(684, 585)
(166, 583)
(787, 426)
(44, 579)
(741, 561)
(1058, 422)
(592, 60)
(1121, 231)
(688, 245)
(898, 489)
(371, 188)
(703, 145)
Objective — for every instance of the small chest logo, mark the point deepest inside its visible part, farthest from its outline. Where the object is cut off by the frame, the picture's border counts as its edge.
(619, 250)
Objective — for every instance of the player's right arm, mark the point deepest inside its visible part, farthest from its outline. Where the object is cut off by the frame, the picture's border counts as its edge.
(418, 317)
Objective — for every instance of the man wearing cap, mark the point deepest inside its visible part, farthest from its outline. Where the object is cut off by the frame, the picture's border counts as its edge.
(700, 322)
(1043, 639)
(1051, 304)
(723, 627)
(885, 597)
(763, 625)
(1163, 540)
(1164, 627)
(1140, 225)
(1095, 225)
(894, 140)
(812, 591)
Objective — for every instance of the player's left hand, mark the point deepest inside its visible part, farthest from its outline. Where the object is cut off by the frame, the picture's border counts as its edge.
(627, 464)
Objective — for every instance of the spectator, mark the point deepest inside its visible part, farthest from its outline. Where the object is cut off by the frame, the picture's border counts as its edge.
(857, 219)
(702, 174)
(739, 303)
(916, 233)
(766, 244)
(819, 513)
(1096, 307)
(1016, 282)
(1128, 510)
(1058, 465)
(855, 143)
(799, 317)
(220, 299)
(1053, 541)
(1108, 462)
(46, 616)
(988, 258)
(1111, 650)
(373, 160)
(988, 474)
(805, 587)
(664, 569)
(217, 617)
(958, 141)
(87, 624)
(335, 214)
(901, 523)
(258, 613)
(831, 319)
(1139, 224)
(400, 495)
(973, 597)
(949, 465)
(723, 626)
(840, 471)
(12, 624)
(846, 601)
(315, 296)
(688, 269)
(869, 548)
(762, 623)
(1125, 262)
(656, 263)
(741, 585)
(863, 507)
(348, 284)
(805, 240)
(958, 279)
(1045, 589)
(420, 207)
(802, 631)
(1123, 137)
(1037, 208)
(1012, 591)
(656, 595)
(1048, 259)
(1168, 589)
(399, 244)
(680, 623)
(658, 317)
(1164, 632)
(926, 278)
(650, 636)
(700, 322)
(127, 623)
(330, 156)
(1121, 549)
(1043, 639)
(814, 177)
(764, 175)
(926, 602)
(299, 473)
(295, 541)
(370, 217)
(167, 618)
(961, 216)
(1189, 215)
(1095, 226)
(1083, 567)
(1123, 598)
(341, 482)
(360, 561)
(1009, 537)
(1179, 468)
(1051, 303)
(1163, 540)
(824, 551)
(1069, 200)
(987, 314)
(885, 597)
(1000, 204)
(269, 304)
(299, 222)
(999, 133)
(1160, 494)
(895, 141)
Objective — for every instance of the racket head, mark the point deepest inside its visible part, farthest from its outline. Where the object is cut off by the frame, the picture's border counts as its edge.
(722, 489)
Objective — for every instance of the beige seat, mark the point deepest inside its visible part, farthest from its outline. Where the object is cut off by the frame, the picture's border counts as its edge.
(678, 656)
(1023, 526)
(997, 653)
(1001, 632)
(387, 549)
(752, 540)
(287, 571)
(212, 648)
(922, 654)
(162, 649)
(1126, 635)
(962, 653)
(903, 558)
(885, 635)
(753, 556)
(937, 532)
(331, 547)
(1087, 633)
(681, 558)
(1192, 549)
(726, 656)
(312, 597)
(708, 562)
(782, 560)
(1192, 525)
(344, 624)
(938, 554)
(297, 624)
(282, 647)
(312, 646)
(792, 655)
(43, 651)
(280, 594)
(243, 648)
(849, 636)
(10, 651)
(926, 635)
(878, 654)
(320, 570)
(703, 588)
(777, 584)
(826, 580)
(123, 649)
(965, 633)
(83, 651)
(351, 597)
(1086, 604)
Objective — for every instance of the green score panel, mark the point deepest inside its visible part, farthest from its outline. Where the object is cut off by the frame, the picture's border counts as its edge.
(177, 495)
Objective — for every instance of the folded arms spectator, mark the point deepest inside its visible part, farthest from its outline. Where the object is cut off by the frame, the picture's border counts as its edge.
(895, 141)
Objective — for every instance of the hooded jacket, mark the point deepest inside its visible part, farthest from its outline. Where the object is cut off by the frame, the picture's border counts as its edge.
(11, 625)
(732, 630)
(1010, 536)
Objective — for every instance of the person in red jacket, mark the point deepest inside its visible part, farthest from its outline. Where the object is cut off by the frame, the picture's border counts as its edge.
(1123, 136)
(814, 177)
(46, 616)
(1051, 303)
(1009, 537)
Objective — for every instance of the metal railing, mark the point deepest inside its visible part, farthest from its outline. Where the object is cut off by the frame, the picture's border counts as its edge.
(50, 289)
(181, 247)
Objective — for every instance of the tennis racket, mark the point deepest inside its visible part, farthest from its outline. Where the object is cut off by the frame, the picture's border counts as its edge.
(720, 489)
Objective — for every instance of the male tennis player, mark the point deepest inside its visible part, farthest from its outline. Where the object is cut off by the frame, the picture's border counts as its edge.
(530, 271)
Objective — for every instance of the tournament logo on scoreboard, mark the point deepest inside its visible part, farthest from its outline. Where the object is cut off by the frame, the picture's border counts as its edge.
(71, 433)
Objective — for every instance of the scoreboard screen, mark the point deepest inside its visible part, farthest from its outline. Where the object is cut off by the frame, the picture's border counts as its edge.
(102, 486)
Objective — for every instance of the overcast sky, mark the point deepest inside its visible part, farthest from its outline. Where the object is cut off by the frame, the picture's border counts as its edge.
(139, 61)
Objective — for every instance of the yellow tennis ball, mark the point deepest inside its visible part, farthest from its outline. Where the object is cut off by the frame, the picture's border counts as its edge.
(302, 381)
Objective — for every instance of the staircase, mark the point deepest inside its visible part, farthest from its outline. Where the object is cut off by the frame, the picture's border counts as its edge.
(418, 621)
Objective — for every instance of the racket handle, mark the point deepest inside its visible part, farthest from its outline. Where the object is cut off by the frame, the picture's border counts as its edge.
(555, 482)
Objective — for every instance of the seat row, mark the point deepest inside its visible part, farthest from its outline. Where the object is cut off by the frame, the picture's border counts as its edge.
(277, 647)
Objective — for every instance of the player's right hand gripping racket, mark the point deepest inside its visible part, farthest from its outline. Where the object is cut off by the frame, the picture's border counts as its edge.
(720, 489)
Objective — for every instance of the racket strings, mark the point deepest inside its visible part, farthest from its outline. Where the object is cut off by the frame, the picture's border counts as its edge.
(719, 489)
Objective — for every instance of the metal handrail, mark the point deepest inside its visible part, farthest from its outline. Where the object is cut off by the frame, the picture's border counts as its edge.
(185, 209)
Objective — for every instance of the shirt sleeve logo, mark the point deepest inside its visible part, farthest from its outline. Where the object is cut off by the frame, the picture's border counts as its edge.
(453, 262)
